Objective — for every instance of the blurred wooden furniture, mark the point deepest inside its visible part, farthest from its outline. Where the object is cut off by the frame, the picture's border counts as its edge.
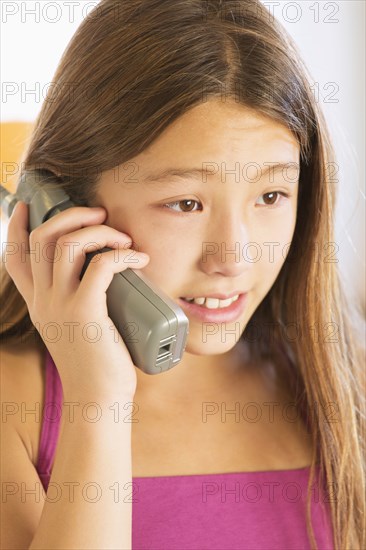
(14, 137)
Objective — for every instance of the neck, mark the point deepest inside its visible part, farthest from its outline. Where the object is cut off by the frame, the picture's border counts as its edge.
(205, 377)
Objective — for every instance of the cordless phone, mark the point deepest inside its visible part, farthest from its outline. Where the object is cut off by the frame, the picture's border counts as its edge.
(153, 327)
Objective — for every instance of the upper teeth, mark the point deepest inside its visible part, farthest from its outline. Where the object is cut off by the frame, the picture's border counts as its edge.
(213, 303)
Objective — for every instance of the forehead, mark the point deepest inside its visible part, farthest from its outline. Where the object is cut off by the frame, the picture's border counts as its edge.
(220, 132)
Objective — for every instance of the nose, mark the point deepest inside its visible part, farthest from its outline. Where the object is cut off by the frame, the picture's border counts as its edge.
(227, 250)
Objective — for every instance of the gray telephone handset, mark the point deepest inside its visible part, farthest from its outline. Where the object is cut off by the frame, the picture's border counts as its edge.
(153, 327)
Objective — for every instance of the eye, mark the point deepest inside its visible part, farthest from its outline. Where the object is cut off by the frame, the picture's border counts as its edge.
(272, 198)
(186, 204)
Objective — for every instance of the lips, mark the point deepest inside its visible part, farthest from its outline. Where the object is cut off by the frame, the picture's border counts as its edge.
(218, 295)
(225, 314)
(212, 303)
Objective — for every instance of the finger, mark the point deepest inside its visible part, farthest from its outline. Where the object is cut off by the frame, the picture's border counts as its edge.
(73, 249)
(43, 241)
(16, 257)
(98, 276)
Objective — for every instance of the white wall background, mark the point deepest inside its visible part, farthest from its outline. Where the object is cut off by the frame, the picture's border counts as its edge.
(331, 39)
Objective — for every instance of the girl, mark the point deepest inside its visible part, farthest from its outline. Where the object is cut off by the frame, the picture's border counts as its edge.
(187, 131)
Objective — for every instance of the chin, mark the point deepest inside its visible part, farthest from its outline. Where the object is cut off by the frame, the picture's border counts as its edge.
(212, 346)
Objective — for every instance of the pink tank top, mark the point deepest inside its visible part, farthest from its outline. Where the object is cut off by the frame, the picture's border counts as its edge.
(245, 510)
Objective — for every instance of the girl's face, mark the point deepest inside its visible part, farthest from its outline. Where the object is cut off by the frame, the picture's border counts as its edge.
(226, 227)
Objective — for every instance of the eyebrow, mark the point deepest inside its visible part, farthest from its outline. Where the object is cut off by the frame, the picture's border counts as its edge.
(165, 176)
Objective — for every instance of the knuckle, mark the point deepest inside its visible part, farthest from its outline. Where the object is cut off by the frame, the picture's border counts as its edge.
(8, 266)
(11, 263)
(35, 235)
(34, 313)
(102, 263)
(61, 240)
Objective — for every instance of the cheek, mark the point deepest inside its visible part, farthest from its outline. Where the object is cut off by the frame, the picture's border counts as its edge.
(169, 256)
(275, 236)
(167, 272)
(172, 250)
(274, 241)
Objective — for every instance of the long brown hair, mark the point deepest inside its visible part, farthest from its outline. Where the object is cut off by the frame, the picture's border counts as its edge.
(129, 71)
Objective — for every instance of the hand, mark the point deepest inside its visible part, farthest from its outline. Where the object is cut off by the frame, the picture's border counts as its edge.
(58, 302)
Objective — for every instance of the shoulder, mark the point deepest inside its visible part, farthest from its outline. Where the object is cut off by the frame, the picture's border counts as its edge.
(22, 392)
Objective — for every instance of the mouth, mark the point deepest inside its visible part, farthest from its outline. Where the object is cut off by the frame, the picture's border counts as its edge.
(212, 303)
(214, 309)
